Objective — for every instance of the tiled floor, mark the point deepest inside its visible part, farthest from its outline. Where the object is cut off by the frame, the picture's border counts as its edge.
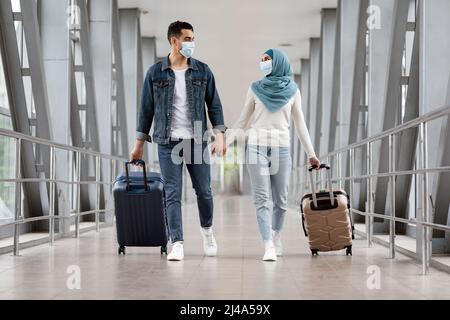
(237, 273)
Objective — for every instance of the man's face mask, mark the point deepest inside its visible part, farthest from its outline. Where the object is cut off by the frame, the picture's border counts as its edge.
(187, 48)
(266, 67)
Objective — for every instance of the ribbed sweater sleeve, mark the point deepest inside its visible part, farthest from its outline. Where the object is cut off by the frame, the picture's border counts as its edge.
(242, 121)
(300, 125)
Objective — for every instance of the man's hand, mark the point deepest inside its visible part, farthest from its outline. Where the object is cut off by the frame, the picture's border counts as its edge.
(138, 150)
(219, 147)
(314, 161)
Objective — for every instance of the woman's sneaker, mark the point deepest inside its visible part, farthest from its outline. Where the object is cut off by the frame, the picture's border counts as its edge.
(177, 253)
(277, 243)
(270, 254)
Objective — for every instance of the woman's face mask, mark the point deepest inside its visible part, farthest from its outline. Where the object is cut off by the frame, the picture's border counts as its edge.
(266, 67)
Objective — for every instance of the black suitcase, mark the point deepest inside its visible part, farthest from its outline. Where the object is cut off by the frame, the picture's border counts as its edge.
(139, 201)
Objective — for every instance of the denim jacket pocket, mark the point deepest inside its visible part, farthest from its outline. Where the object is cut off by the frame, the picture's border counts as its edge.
(199, 91)
(161, 99)
(160, 85)
(161, 91)
(199, 82)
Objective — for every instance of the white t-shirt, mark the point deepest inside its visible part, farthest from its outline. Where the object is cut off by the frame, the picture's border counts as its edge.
(263, 127)
(181, 126)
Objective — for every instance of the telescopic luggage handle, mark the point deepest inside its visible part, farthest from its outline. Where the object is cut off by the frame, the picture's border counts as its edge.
(142, 162)
(313, 191)
(322, 166)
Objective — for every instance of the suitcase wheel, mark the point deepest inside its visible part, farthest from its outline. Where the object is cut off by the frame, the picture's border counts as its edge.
(164, 250)
(348, 251)
(314, 252)
(121, 250)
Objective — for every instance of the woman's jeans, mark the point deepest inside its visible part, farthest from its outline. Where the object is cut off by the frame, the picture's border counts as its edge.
(196, 158)
(269, 169)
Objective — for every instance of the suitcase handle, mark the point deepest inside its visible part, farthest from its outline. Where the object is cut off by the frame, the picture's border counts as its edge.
(322, 166)
(135, 162)
(330, 186)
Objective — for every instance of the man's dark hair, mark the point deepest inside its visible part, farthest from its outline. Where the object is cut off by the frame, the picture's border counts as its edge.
(176, 27)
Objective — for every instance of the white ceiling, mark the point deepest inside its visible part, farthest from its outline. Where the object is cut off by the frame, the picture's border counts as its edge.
(232, 34)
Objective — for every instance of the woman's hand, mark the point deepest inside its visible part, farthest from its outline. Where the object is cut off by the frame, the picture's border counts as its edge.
(219, 146)
(314, 162)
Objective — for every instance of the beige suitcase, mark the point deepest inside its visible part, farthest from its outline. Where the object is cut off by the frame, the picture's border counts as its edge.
(326, 217)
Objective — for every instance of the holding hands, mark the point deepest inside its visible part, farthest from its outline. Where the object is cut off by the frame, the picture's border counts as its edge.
(219, 146)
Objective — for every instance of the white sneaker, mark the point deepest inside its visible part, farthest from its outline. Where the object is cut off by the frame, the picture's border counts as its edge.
(270, 254)
(177, 253)
(277, 243)
(209, 242)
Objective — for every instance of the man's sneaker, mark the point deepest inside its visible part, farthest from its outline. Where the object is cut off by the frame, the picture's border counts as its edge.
(177, 253)
(270, 254)
(277, 243)
(209, 242)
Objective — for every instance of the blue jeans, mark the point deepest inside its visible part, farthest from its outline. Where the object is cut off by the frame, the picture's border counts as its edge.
(269, 169)
(171, 159)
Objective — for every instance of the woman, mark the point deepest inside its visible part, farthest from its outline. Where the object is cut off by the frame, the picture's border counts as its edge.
(270, 105)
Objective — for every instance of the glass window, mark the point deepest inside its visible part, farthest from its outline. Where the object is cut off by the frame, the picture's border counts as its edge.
(7, 154)
(4, 103)
(15, 4)
(7, 169)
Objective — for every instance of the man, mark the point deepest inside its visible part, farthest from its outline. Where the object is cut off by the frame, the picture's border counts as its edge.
(175, 91)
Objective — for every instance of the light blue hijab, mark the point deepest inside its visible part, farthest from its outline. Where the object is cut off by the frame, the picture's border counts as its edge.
(277, 88)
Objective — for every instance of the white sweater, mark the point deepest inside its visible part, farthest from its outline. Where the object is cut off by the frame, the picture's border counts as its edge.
(271, 129)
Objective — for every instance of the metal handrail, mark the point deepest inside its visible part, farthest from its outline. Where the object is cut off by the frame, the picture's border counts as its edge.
(403, 220)
(54, 180)
(395, 173)
(41, 218)
(430, 116)
(423, 171)
(52, 217)
(18, 135)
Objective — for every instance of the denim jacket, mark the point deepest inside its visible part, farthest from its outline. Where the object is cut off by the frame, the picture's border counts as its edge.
(157, 100)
